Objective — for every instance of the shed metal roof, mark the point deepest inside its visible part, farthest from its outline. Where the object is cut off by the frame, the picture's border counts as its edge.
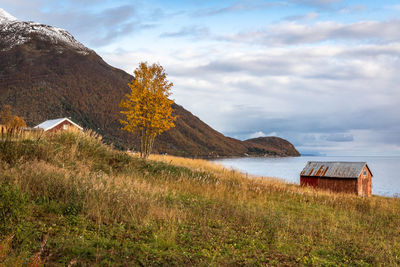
(333, 169)
(49, 124)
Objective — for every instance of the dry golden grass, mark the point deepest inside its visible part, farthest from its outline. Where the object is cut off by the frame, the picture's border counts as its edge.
(246, 182)
(220, 171)
(177, 211)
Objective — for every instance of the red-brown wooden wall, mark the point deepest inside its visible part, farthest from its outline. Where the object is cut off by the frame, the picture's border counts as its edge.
(60, 127)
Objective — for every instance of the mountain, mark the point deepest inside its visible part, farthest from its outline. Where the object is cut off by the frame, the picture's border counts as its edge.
(45, 73)
(271, 146)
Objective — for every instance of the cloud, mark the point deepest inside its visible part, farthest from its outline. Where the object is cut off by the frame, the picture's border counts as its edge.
(158, 14)
(99, 28)
(94, 24)
(353, 9)
(192, 31)
(305, 17)
(338, 137)
(257, 134)
(317, 3)
(237, 7)
(397, 7)
(292, 33)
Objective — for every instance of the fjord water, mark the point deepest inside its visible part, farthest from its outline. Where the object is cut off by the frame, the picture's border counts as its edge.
(385, 180)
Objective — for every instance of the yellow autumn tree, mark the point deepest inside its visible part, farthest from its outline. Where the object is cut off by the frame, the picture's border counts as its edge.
(12, 123)
(10, 120)
(147, 109)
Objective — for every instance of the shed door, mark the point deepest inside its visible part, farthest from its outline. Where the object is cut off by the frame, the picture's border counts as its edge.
(364, 186)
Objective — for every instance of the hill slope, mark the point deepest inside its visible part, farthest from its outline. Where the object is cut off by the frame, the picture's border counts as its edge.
(96, 206)
(45, 74)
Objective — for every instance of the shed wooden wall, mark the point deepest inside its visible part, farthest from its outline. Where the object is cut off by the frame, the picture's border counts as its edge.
(344, 185)
(308, 181)
(365, 183)
(339, 185)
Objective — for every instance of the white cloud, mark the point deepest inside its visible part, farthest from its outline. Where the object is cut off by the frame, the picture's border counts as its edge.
(238, 7)
(306, 17)
(293, 33)
(192, 31)
(257, 134)
(397, 7)
(317, 2)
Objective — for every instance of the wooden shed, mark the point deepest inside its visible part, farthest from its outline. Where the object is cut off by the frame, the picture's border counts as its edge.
(345, 177)
(61, 124)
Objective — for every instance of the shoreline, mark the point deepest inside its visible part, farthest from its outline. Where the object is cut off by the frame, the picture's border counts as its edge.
(384, 181)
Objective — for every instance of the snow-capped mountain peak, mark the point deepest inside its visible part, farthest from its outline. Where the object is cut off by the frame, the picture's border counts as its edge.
(14, 32)
(6, 17)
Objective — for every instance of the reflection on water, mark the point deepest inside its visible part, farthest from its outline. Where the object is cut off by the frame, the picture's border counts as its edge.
(385, 182)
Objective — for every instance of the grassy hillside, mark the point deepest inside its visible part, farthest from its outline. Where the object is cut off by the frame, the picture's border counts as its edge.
(67, 199)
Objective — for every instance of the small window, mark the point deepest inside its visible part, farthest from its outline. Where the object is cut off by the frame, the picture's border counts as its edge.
(365, 173)
(65, 127)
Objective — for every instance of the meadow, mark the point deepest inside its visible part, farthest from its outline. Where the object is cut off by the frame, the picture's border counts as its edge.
(67, 199)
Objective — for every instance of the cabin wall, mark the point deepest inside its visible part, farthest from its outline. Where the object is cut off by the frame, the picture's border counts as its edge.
(60, 127)
(364, 182)
(308, 181)
(338, 185)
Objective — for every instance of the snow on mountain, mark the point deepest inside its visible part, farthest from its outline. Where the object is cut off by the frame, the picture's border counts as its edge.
(5, 17)
(14, 32)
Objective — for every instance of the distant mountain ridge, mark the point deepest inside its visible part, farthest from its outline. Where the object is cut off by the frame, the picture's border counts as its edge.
(272, 146)
(45, 74)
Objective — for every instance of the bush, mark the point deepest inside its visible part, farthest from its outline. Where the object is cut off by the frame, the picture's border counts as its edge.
(12, 207)
(13, 151)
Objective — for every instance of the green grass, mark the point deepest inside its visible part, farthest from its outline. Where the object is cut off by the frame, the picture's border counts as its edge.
(102, 207)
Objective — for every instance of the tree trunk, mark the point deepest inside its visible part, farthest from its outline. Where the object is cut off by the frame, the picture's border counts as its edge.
(147, 141)
(142, 144)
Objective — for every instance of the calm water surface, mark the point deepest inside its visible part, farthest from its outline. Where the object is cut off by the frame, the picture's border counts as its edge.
(385, 182)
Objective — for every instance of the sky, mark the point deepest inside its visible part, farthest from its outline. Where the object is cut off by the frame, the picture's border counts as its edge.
(323, 74)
